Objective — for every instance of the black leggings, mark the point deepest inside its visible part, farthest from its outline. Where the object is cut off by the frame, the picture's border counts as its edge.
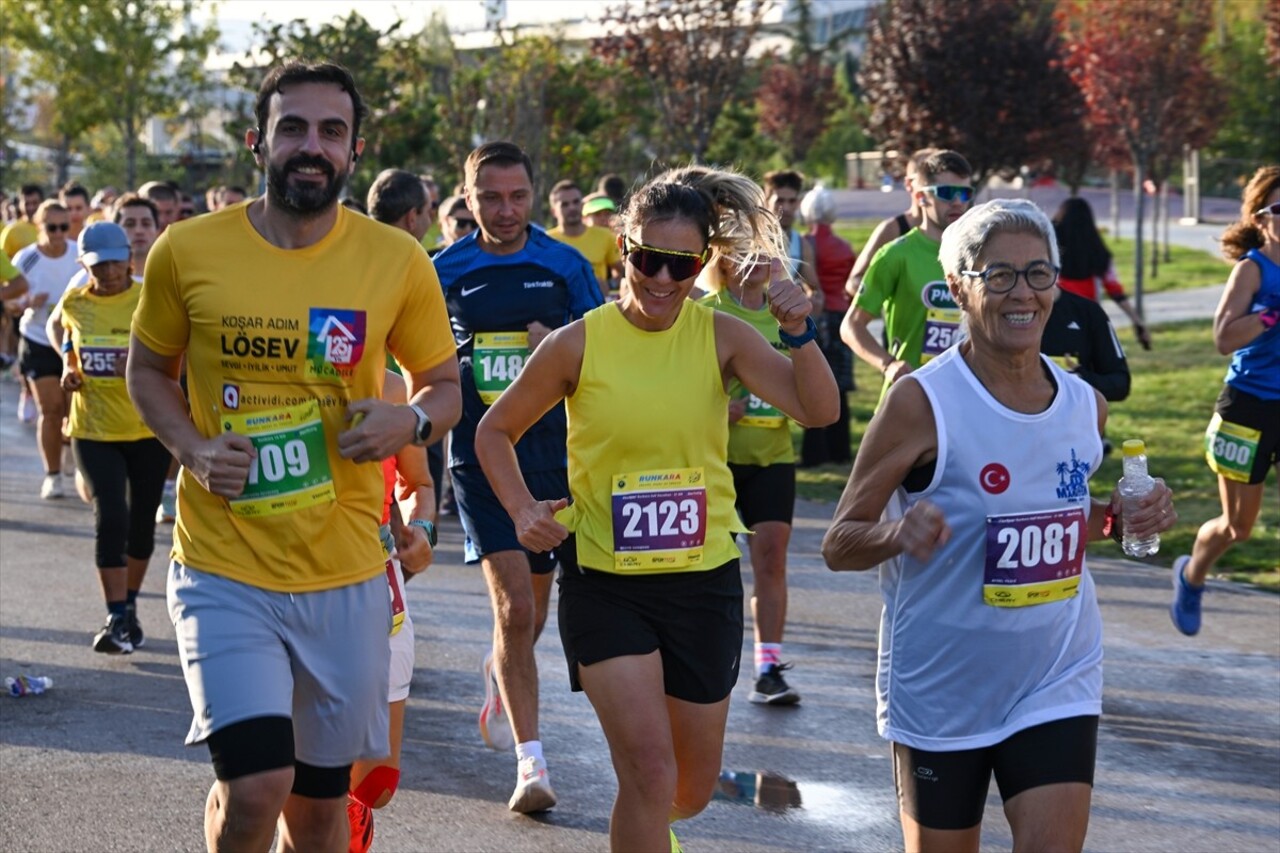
(126, 479)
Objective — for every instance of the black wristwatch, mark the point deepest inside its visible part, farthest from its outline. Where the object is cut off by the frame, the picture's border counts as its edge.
(422, 429)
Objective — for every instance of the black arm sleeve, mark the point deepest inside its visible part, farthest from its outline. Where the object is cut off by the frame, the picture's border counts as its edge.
(1106, 368)
(1080, 329)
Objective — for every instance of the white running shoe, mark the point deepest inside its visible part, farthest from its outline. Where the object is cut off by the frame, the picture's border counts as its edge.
(533, 787)
(27, 409)
(495, 728)
(51, 488)
(167, 511)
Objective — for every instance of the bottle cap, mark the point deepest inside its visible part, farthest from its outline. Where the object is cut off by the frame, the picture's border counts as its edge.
(1135, 447)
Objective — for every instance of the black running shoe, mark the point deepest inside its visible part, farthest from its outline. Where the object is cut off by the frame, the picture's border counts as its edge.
(772, 688)
(136, 637)
(113, 639)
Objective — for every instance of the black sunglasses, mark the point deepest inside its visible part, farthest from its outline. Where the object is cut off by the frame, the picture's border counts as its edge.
(650, 260)
(53, 229)
(463, 224)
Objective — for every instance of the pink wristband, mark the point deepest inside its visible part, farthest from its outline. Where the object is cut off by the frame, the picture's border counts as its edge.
(1269, 318)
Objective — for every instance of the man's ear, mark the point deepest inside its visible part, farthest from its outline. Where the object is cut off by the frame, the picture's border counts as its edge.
(253, 140)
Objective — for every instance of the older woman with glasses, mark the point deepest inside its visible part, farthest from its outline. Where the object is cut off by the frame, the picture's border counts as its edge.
(48, 265)
(977, 517)
(651, 592)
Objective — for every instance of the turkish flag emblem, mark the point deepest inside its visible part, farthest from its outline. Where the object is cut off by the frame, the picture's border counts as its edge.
(994, 478)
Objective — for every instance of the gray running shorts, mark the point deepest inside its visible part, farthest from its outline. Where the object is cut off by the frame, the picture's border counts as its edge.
(319, 658)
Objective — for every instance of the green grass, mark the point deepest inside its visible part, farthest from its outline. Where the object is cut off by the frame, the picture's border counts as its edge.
(1174, 388)
(1187, 268)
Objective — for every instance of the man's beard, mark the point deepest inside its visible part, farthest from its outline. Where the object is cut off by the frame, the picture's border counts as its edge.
(306, 199)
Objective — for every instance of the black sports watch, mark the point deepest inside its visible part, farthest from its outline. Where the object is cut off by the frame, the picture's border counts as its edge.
(422, 429)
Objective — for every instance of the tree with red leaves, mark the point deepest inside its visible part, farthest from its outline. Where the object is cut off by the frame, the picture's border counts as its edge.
(983, 77)
(1141, 67)
(693, 54)
(793, 103)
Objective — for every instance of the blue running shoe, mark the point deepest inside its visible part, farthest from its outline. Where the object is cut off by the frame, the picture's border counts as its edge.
(1185, 610)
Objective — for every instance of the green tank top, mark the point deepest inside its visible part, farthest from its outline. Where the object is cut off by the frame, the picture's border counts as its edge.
(652, 492)
(763, 435)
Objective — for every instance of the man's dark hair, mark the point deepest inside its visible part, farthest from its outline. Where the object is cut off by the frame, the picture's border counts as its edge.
(614, 187)
(134, 200)
(784, 179)
(33, 189)
(393, 194)
(71, 188)
(944, 160)
(496, 154)
(301, 72)
(158, 191)
(561, 186)
(236, 188)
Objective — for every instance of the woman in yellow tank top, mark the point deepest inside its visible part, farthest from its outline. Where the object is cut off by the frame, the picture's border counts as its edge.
(651, 609)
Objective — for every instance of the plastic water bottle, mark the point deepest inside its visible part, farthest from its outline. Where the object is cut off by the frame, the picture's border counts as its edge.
(24, 685)
(1135, 484)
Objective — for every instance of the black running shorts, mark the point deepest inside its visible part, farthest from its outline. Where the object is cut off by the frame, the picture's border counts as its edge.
(693, 619)
(948, 790)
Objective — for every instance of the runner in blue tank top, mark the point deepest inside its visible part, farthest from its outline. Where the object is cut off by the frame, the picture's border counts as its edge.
(1243, 441)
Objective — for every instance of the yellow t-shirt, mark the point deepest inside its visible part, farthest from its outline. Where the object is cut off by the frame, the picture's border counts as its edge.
(597, 245)
(17, 236)
(648, 427)
(98, 328)
(278, 342)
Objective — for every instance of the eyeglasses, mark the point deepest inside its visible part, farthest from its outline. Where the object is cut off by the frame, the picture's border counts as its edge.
(1001, 278)
(54, 229)
(950, 192)
(1269, 210)
(463, 224)
(650, 260)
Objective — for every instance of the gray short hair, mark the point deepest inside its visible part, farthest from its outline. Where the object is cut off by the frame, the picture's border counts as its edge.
(964, 239)
(818, 205)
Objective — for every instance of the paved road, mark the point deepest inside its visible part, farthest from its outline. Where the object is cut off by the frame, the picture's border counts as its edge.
(1189, 744)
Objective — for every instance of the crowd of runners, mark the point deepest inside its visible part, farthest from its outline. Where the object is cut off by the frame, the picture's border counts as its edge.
(301, 382)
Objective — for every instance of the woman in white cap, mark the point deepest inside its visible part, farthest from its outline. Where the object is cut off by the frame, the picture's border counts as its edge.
(122, 461)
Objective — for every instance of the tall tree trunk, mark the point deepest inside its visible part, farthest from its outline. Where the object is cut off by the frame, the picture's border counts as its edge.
(1155, 235)
(1164, 204)
(1139, 206)
(130, 134)
(1115, 204)
(63, 161)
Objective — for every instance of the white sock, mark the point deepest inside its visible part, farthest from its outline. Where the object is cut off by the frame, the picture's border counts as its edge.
(530, 749)
(767, 655)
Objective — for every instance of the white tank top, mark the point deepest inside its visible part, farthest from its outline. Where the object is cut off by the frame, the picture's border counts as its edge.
(959, 667)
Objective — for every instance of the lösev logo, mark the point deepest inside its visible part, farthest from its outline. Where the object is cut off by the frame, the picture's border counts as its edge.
(335, 342)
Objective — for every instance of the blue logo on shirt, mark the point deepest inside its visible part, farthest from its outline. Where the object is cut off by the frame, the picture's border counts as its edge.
(1073, 479)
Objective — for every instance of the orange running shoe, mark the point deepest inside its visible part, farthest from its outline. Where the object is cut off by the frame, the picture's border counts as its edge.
(360, 817)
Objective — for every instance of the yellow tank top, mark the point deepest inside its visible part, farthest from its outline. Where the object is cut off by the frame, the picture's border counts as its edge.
(98, 328)
(647, 437)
